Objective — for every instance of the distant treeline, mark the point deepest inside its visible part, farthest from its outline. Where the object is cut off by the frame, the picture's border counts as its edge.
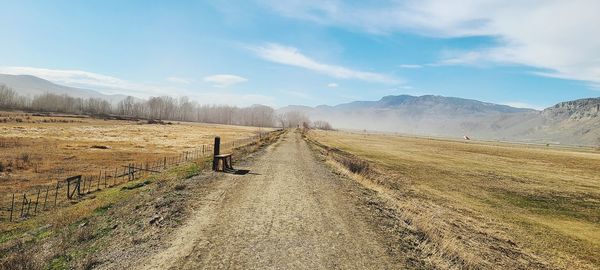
(160, 108)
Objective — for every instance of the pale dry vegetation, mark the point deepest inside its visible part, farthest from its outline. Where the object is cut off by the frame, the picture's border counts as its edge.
(113, 222)
(483, 205)
(42, 149)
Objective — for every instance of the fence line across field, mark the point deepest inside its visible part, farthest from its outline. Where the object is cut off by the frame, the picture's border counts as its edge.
(21, 205)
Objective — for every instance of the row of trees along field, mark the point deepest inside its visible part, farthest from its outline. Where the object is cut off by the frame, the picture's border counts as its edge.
(158, 108)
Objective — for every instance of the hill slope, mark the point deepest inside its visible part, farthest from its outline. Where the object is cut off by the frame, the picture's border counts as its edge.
(573, 122)
(28, 85)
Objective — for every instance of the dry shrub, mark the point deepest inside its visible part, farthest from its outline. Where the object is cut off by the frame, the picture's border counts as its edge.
(84, 234)
(25, 157)
(180, 187)
(353, 164)
(88, 262)
(20, 258)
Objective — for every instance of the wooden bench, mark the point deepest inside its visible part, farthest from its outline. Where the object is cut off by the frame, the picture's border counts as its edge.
(225, 160)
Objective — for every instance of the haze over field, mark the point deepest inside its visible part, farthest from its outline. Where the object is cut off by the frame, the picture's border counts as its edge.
(334, 53)
(300, 134)
(574, 122)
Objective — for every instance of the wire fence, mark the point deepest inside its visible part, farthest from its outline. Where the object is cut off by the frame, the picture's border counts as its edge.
(21, 205)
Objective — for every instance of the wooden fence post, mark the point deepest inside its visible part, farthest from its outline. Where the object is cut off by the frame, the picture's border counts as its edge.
(99, 177)
(56, 193)
(37, 200)
(23, 205)
(79, 180)
(12, 207)
(46, 198)
(28, 206)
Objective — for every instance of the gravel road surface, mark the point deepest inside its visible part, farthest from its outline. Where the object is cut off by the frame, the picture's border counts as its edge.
(290, 212)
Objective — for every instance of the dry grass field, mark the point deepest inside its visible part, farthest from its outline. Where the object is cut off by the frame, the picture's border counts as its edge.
(37, 149)
(486, 205)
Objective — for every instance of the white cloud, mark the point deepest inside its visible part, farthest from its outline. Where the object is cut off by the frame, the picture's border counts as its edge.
(84, 79)
(558, 36)
(291, 56)
(297, 94)
(410, 66)
(179, 80)
(518, 104)
(332, 85)
(224, 80)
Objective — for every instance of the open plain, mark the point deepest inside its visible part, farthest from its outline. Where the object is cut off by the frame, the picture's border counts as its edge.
(483, 204)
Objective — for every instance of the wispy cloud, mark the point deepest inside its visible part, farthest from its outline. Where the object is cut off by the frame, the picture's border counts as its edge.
(332, 85)
(518, 104)
(293, 57)
(413, 66)
(179, 80)
(527, 32)
(297, 94)
(84, 79)
(224, 80)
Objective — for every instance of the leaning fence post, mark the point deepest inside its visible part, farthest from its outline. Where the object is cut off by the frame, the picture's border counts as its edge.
(46, 198)
(37, 200)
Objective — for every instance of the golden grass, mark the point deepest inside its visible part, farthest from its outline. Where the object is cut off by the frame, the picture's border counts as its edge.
(57, 147)
(489, 204)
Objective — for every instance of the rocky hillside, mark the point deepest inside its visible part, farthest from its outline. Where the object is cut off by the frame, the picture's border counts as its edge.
(587, 108)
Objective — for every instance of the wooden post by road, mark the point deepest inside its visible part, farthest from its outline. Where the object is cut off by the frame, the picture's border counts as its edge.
(216, 152)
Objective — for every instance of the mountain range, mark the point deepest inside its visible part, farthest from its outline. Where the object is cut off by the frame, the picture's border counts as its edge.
(27, 85)
(571, 122)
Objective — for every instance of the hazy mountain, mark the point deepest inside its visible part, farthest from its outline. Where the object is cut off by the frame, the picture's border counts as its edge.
(28, 85)
(573, 122)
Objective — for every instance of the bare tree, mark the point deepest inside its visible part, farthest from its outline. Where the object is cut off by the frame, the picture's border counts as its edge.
(293, 119)
(163, 108)
(323, 125)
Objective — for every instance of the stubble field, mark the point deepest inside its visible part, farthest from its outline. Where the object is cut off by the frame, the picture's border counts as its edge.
(38, 149)
(481, 204)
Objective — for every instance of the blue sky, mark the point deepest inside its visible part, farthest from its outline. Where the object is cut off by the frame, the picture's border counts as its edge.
(310, 52)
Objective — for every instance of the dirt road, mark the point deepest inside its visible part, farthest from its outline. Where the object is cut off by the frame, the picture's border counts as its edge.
(289, 212)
